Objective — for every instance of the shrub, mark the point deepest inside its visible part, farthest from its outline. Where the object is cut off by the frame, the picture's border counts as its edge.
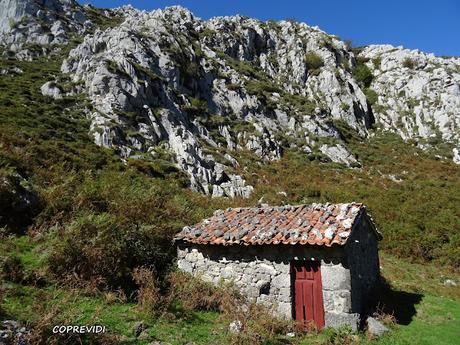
(256, 87)
(371, 95)
(114, 68)
(103, 19)
(206, 33)
(304, 104)
(103, 249)
(377, 62)
(123, 221)
(244, 67)
(196, 107)
(363, 74)
(233, 87)
(408, 63)
(341, 336)
(12, 269)
(258, 324)
(146, 72)
(190, 72)
(157, 168)
(387, 318)
(345, 106)
(314, 62)
(148, 293)
(195, 294)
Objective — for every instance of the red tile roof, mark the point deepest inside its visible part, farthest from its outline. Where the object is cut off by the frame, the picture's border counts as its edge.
(320, 224)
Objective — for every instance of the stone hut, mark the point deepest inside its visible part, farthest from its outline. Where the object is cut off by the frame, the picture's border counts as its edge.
(315, 262)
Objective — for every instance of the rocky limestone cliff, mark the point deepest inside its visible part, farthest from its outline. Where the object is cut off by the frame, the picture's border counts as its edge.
(32, 27)
(227, 83)
(418, 93)
(167, 81)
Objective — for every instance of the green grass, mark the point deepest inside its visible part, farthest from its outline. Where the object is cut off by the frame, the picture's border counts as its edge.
(98, 216)
(201, 328)
(28, 304)
(433, 317)
(437, 322)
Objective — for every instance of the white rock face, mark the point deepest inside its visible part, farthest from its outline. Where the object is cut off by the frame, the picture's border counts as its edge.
(339, 154)
(456, 155)
(203, 90)
(179, 75)
(419, 94)
(41, 22)
(50, 89)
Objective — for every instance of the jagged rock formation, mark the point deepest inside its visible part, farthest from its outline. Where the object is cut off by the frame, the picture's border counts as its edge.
(228, 83)
(31, 27)
(204, 90)
(418, 93)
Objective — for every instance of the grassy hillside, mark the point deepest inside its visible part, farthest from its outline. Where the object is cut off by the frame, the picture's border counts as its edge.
(70, 256)
(411, 194)
(427, 313)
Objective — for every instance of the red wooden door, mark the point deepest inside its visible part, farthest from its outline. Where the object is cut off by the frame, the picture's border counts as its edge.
(308, 293)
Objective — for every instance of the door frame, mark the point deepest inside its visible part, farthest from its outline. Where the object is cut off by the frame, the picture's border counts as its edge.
(320, 323)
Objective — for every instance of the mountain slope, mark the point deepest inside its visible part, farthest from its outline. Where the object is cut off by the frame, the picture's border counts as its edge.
(182, 80)
(268, 112)
(418, 93)
(247, 109)
(167, 81)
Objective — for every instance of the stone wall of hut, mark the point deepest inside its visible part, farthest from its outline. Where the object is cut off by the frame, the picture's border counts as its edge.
(262, 273)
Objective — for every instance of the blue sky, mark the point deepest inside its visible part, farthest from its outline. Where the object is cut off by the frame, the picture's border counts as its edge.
(429, 25)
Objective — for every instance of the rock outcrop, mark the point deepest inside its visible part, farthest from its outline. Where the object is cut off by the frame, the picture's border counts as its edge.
(30, 28)
(204, 90)
(418, 93)
(226, 84)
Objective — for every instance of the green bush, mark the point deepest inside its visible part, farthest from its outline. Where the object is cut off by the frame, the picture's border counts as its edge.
(363, 74)
(196, 107)
(195, 294)
(244, 67)
(314, 62)
(116, 222)
(345, 106)
(103, 19)
(159, 168)
(11, 269)
(114, 68)
(103, 249)
(340, 336)
(304, 104)
(233, 87)
(377, 62)
(256, 87)
(371, 95)
(408, 63)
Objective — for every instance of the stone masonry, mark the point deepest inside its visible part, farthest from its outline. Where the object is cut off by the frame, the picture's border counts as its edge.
(263, 274)
(255, 248)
